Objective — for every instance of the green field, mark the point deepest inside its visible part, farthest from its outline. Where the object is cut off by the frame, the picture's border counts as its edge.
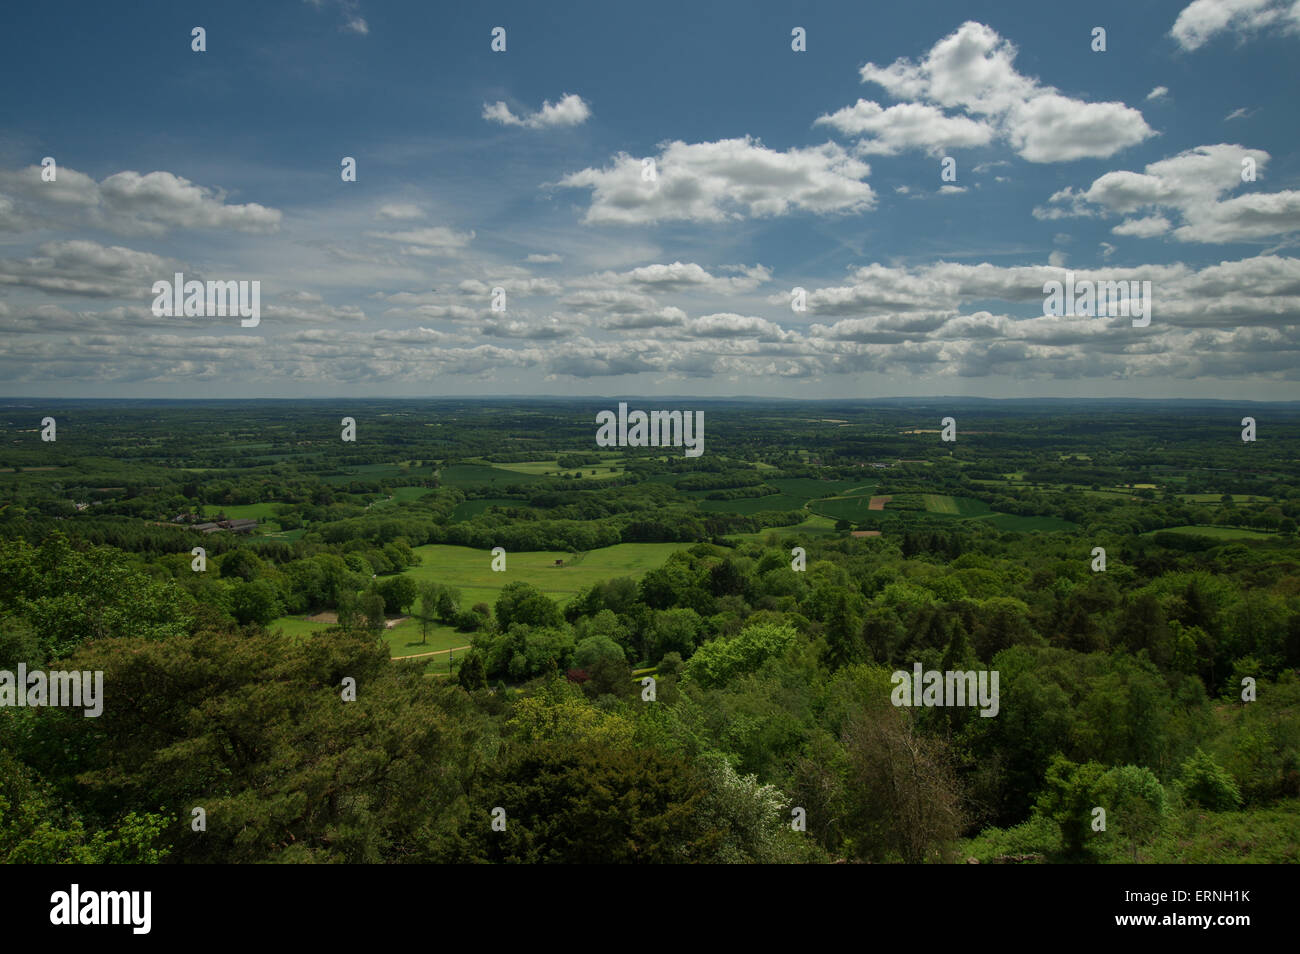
(552, 468)
(811, 489)
(814, 526)
(470, 570)
(402, 495)
(1218, 533)
(295, 626)
(853, 509)
(468, 475)
(753, 504)
(402, 640)
(940, 503)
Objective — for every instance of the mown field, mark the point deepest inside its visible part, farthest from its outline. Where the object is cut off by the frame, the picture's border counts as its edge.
(470, 570)
(611, 465)
(403, 639)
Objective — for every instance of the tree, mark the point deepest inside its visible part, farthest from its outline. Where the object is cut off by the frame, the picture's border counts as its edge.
(294, 773)
(243, 564)
(719, 660)
(1071, 791)
(471, 674)
(902, 792)
(371, 610)
(595, 648)
(255, 602)
(1135, 804)
(521, 602)
(399, 593)
(591, 804)
(1205, 783)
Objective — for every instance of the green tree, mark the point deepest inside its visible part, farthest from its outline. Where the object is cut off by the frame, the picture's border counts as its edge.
(591, 804)
(1204, 782)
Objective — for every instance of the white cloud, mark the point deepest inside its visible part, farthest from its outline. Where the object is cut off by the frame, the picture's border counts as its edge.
(1148, 227)
(973, 70)
(1160, 92)
(725, 180)
(1191, 186)
(571, 110)
(1204, 19)
(129, 203)
(679, 277)
(907, 126)
(538, 259)
(87, 269)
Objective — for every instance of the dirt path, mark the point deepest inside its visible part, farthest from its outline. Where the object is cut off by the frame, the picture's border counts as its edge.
(436, 652)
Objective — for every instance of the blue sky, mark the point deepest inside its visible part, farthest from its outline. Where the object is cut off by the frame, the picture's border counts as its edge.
(774, 169)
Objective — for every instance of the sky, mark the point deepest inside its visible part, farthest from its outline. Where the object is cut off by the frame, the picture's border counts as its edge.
(646, 186)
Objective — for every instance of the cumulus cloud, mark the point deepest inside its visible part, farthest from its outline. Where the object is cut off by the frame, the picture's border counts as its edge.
(679, 277)
(128, 203)
(1202, 20)
(547, 329)
(972, 71)
(1148, 227)
(1189, 186)
(571, 110)
(724, 181)
(83, 268)
(907, 126)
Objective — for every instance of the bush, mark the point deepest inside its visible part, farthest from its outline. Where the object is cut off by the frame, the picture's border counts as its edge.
(1205, 783)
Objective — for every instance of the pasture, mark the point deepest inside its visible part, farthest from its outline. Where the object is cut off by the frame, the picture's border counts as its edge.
(470, 570)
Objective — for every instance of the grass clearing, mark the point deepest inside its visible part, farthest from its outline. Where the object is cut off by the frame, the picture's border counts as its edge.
(470, 570)
(941, 503)
(814, 526)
